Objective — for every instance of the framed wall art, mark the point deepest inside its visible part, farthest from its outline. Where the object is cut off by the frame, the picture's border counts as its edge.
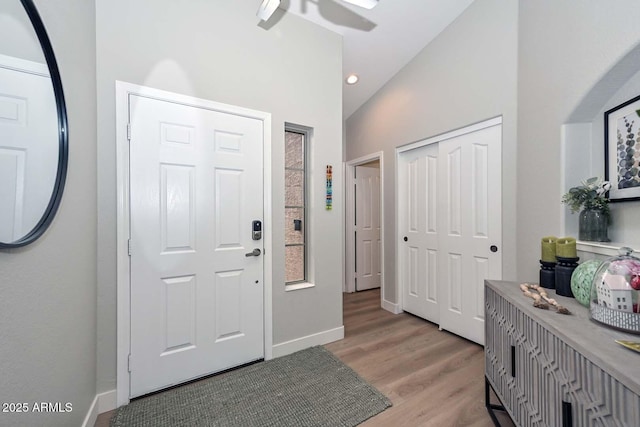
(622, 150)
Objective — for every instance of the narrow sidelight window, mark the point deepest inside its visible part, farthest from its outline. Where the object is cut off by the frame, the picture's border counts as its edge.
(295, 170)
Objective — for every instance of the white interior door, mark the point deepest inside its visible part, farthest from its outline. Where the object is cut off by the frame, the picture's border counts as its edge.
(418, 216)
(28, 145)
(368, 244)
(471, 232)
(450, 226)
(195, 188)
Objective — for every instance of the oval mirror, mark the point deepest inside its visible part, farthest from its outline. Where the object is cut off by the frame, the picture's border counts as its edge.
(33, 126)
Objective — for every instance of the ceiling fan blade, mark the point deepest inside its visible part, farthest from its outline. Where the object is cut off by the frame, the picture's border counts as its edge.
(367, 4)
(267, 8)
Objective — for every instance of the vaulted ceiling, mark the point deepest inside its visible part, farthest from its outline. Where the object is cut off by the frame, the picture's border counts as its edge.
(379, 42)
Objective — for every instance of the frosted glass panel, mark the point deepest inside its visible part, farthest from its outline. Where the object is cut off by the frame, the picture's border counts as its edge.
(294, 150)
(292, 235)
(294, 261)
(294, 188)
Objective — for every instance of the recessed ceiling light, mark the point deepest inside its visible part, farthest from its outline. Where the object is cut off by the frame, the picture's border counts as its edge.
(352, 79)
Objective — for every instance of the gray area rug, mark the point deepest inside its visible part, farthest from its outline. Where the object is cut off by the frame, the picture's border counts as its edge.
(309, 388)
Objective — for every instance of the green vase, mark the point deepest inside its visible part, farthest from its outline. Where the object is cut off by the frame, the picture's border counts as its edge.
(593, 226)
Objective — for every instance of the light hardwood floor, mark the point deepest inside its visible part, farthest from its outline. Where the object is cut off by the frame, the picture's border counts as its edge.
(433, 378)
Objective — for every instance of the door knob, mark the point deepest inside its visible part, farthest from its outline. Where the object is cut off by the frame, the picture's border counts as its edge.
(406, 239)
(493, 248)
(255, 252)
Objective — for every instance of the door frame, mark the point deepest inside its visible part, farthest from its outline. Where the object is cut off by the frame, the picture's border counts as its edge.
(123, 316)
(399, 283)
(350, 217)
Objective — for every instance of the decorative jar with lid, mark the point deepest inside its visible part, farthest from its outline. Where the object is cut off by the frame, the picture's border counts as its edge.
(615, 292)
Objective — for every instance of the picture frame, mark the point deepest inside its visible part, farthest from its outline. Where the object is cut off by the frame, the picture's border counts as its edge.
(622, 150)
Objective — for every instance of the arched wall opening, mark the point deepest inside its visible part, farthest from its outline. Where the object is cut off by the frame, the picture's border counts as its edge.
(583, 147)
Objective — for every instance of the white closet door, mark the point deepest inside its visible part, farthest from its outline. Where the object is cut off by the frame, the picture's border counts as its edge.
(450, 228)
(470, 235)
(419, 251)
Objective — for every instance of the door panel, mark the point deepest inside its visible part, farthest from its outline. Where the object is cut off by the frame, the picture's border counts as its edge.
(453, 283)
(177, 210)
(419, 258)
(178, 298)
(195, 186)
(472, 179)
(368, 243)
(228, 304)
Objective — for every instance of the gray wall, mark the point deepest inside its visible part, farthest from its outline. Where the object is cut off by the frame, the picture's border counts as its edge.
(565, 50)
(216, 50)
(48, 303)
(466, 75)
(17, 36)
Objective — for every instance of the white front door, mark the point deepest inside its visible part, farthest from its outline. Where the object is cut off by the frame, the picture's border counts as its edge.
(471, 229)
(368, 243)
(418, 211)
(196, 185)
(450, 226)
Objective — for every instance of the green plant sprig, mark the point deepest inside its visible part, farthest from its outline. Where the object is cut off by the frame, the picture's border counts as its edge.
(592, 194)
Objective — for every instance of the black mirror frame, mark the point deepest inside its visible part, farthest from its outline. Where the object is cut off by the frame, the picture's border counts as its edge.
(63, 138)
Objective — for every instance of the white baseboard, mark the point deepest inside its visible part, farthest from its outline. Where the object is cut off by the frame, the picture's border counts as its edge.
(103, 402)
(107, 401)
(391, 306)
(298, 344)
(92, 414)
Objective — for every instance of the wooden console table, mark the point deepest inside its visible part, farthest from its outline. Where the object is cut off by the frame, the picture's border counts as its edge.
(550, 369)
